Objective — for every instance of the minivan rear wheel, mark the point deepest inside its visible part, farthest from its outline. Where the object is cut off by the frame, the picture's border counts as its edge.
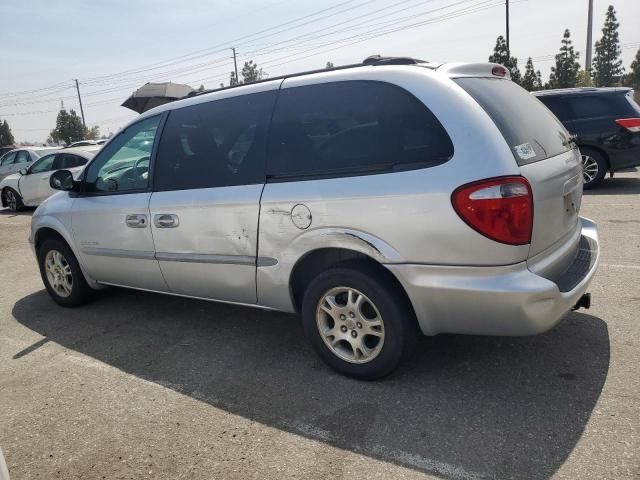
(62, 275)
(357, 322)
(594, 167)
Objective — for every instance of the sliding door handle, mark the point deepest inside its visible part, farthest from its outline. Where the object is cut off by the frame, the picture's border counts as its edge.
(136, 220)
(166, 220)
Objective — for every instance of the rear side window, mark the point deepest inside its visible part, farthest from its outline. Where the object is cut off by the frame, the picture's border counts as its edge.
(22, 157)
(531, 131)
(598, 106)
(215, 144)
(353, 127)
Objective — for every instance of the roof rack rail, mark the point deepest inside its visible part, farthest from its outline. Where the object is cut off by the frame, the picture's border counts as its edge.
(372, 60)
(379, 60)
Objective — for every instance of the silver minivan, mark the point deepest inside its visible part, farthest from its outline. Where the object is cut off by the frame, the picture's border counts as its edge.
(379, 201)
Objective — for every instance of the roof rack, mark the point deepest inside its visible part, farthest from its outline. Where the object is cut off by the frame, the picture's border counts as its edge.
(372, 60)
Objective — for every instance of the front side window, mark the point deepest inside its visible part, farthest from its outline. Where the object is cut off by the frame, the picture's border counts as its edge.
(43, 165)
(353, 127)
(215, 144)
(123, 165)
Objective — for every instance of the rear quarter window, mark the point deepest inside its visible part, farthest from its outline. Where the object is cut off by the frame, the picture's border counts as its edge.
(353, 128)
(592, 106)
(532, 132)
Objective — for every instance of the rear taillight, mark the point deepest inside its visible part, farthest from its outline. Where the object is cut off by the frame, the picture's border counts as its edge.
(499, 71)
(631, 124)
(499, 208)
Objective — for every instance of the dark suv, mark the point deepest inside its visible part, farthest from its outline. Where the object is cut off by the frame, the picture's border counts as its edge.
(606, 125)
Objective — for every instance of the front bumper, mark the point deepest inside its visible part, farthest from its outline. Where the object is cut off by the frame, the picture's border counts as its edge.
(505, 300)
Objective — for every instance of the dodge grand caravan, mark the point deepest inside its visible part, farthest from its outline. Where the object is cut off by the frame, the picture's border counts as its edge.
(378, 200)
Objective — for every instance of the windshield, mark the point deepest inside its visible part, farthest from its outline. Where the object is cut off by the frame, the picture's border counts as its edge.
(531, 130)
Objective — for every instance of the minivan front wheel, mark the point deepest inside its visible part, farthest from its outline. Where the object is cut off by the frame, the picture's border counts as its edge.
(594, 168)
(61, 274)
(357, 322)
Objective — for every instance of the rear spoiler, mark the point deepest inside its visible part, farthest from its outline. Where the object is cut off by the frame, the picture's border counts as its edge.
(488, 70)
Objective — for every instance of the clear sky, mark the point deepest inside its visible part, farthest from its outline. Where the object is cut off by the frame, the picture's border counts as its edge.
(115, 46)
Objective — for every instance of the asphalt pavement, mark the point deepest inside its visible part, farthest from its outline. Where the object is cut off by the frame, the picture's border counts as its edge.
(137, 385)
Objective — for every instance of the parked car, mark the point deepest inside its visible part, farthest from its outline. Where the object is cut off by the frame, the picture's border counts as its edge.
(606, 125)
(30, 186)
(378, 201)
(82, 143)
(13, 161)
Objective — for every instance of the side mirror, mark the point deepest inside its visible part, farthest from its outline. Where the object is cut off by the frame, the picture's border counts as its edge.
(23, 171)
(62, 180)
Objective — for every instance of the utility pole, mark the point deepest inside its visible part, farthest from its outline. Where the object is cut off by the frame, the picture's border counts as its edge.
(80, 101)
(235, 63)
(587, 62)
(507, 19)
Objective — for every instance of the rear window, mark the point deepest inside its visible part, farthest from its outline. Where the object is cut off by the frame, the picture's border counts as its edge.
(531, 130)
(353, 128)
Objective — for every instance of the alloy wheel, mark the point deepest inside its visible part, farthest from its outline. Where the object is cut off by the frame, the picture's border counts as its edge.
(589, 168)
(59, 273)
(12, 200)
(350, 325)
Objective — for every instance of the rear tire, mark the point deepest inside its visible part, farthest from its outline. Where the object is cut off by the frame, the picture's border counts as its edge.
(61, 274)
(358, 322)
(13, 200)
(594, 167)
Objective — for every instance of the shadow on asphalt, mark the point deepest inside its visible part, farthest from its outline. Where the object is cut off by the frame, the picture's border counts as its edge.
(463, 407)
(617, 186)
(26, 212)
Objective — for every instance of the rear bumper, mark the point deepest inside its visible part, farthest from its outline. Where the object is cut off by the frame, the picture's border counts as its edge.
(506, 300)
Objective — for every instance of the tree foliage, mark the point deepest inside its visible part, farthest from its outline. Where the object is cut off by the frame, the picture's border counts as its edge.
(565, 73)
(251, 72)
(329, 65)
(6, 137)
(502, 56)
(532, 80)
(607, 67)
(632, 79)
(233, 80)
(92, 133)
(69, 127)
(583, 79)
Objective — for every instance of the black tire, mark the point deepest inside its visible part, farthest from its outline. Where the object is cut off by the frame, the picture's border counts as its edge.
(12, 199)
(593, 159)
(80, 292)
(399, 324)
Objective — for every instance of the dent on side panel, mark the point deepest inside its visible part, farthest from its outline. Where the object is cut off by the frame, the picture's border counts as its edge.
(291, 246)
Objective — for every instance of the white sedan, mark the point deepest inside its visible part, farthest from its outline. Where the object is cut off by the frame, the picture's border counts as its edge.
(30, 186)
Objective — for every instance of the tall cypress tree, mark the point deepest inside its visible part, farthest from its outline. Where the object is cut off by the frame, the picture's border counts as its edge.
(6, 137)
(632, 79)
(565, 72)
(502, 56)
(607, 65)
(532, 80)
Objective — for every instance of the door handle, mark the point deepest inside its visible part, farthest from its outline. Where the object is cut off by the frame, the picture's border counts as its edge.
(136, 220)
(166, 220)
